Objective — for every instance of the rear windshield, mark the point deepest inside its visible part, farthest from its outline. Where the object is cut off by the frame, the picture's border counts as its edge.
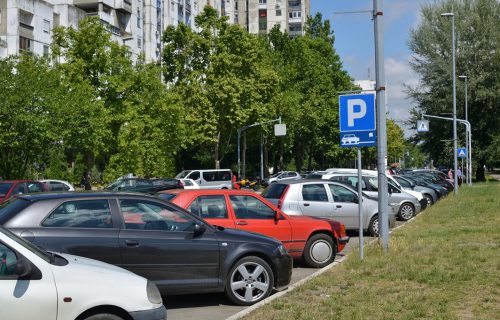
(4, 188)
(166, 196)
(314, 176)
(10, 208)
(274, 191)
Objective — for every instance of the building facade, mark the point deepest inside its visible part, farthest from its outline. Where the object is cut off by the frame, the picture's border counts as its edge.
(26, 25)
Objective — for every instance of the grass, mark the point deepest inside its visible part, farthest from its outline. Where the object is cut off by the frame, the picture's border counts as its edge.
(443, 265)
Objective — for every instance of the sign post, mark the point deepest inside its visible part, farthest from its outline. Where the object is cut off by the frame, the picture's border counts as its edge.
(358, 129)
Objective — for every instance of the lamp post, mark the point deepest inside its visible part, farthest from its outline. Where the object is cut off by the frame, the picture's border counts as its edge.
(469, 157)
(455, 162)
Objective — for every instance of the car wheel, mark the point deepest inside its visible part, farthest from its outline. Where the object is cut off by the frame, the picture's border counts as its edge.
(407, 211)
(373, 227)
(103, 316)
(319, 251)
(428, 197)
(250, 280)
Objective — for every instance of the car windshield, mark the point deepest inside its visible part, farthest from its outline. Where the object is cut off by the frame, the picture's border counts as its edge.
(274, 191)
(10, 208)
(275, 175)
(28, 245)
(114, 184)
(4, 188)
(183, 174)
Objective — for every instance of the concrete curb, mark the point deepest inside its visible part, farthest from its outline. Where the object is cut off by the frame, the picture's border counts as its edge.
(277, 295)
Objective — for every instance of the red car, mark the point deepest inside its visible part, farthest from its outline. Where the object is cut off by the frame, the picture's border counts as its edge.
(9, 188)
(316, 240)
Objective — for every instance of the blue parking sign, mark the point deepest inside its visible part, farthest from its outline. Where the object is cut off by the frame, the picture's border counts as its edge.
(357, 120)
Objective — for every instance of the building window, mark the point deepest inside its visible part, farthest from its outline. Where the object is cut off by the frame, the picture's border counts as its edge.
(138, 17)
(25, 19)
(262, 25)
(46, 26)
(45, 50)
(262, 13)
(139, 43)
(294, 14)
(262, 1)
(278, 12)
(25, 44)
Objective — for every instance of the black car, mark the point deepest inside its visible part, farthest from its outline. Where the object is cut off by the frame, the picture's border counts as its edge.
(141, 185)
(153, 238)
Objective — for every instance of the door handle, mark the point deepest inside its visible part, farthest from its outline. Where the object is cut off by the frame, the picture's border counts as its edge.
(241, 223)
(338, 206)
(306, 204)
(132, 243)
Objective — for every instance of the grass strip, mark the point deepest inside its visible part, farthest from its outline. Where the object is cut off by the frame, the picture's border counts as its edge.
(443, 265)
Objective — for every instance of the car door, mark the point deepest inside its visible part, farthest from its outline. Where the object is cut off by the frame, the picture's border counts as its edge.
(32, 299)
(254, 215)
(345, 205)
(314, 200)
(213, 209)
(195, 175)
(83, 227)
(158, 242)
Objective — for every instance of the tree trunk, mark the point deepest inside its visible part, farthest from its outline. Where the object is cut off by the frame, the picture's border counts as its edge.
(216, 152)
(243, 157)
(266, 159)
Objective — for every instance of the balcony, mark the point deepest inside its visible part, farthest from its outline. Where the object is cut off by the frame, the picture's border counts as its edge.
(85, 4)
(294, 5)
(124, 5)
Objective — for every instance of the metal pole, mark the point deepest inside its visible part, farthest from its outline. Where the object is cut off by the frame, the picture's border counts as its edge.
(360, 207)
(470, 153)
(381, 125)
(261, 157)
(239, 154)
(455, 162)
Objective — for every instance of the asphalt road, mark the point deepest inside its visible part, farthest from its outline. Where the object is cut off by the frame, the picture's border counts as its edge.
(217, 306)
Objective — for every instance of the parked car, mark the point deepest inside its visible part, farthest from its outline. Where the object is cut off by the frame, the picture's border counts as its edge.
(189, 184)
(282, 175)
(407, 205)
(209, 179)
(150, 186)
(9, 188)
(427, 182)
(40, 285)
(429, 194)
(58, 185)
(315, 240)
(326, 199)
(435, 174)
(158, 240)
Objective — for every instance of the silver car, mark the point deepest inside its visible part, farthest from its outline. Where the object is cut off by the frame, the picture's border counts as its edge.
(407, 205)
(280, 176)
(326, 199)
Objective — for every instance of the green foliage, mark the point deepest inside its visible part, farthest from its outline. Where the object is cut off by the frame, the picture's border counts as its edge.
(477, 56)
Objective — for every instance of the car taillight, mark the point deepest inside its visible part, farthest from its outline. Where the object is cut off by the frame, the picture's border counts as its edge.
(180, 184)
(282, 198)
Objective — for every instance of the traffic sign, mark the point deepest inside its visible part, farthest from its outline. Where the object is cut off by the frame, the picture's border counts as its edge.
(422, 125)
(357, 120)
(462, 152)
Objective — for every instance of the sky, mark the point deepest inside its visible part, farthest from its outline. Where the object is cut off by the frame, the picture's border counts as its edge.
(354, 42)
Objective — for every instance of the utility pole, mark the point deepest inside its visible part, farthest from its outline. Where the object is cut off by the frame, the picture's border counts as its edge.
(381, 125)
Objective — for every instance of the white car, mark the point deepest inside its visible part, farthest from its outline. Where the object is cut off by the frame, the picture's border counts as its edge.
(58, 185)
(190, 184)
(350, 139)
(39, 285)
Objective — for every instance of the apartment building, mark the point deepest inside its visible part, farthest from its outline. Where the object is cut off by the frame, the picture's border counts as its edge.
(26, 25)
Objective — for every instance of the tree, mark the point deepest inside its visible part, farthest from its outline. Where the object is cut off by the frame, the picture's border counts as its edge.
(477, 56)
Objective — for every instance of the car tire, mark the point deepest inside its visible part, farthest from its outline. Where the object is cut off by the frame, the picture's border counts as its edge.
(103, 316)
(249, 281)
(406, 211)
(373, 227)
(319, 251)
(429, 199)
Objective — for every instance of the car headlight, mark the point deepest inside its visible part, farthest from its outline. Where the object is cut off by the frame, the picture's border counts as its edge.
(154, 295)
(282, 250)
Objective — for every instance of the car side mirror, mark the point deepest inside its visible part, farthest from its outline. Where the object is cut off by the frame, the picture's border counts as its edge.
(22, 268)
(199, 229)
(277, 215)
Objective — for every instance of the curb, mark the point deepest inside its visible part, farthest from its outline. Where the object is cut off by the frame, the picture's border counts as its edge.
(277, 295)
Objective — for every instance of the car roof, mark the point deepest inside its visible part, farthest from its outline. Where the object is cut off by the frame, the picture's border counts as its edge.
(32, 197)
(207, 191)
(14, 181)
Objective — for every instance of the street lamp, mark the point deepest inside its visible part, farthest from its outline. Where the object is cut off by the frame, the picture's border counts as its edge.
(469, 157)
(455, 162)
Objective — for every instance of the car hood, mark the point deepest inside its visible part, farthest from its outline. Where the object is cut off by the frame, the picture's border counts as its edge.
(86, 265)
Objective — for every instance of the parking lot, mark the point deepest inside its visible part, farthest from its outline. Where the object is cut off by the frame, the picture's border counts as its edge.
(217, 306)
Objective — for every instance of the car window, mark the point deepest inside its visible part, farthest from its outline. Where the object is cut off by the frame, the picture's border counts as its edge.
(187, 182)
(34, 187)
(195, 175)
(224, 176)
(4, 188)
(149, 215)
(18, 189)
(353, 181)
(213, 207)
(210, 176)
(373, 182)
(80, 214)
(248, 207)
(8, 260)
(56, 186)
(314, 192)
(342, 194)
(403, 182)
(274, 191)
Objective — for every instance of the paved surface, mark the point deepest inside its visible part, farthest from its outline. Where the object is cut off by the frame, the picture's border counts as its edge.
(217, 306)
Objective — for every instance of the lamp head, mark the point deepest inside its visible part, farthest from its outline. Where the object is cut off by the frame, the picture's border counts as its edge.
(447, 14)
(462, 77)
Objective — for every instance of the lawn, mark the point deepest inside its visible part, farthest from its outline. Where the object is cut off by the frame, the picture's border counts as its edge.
(443, 265)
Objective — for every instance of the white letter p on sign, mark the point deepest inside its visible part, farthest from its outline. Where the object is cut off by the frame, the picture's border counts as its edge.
(351, 115)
